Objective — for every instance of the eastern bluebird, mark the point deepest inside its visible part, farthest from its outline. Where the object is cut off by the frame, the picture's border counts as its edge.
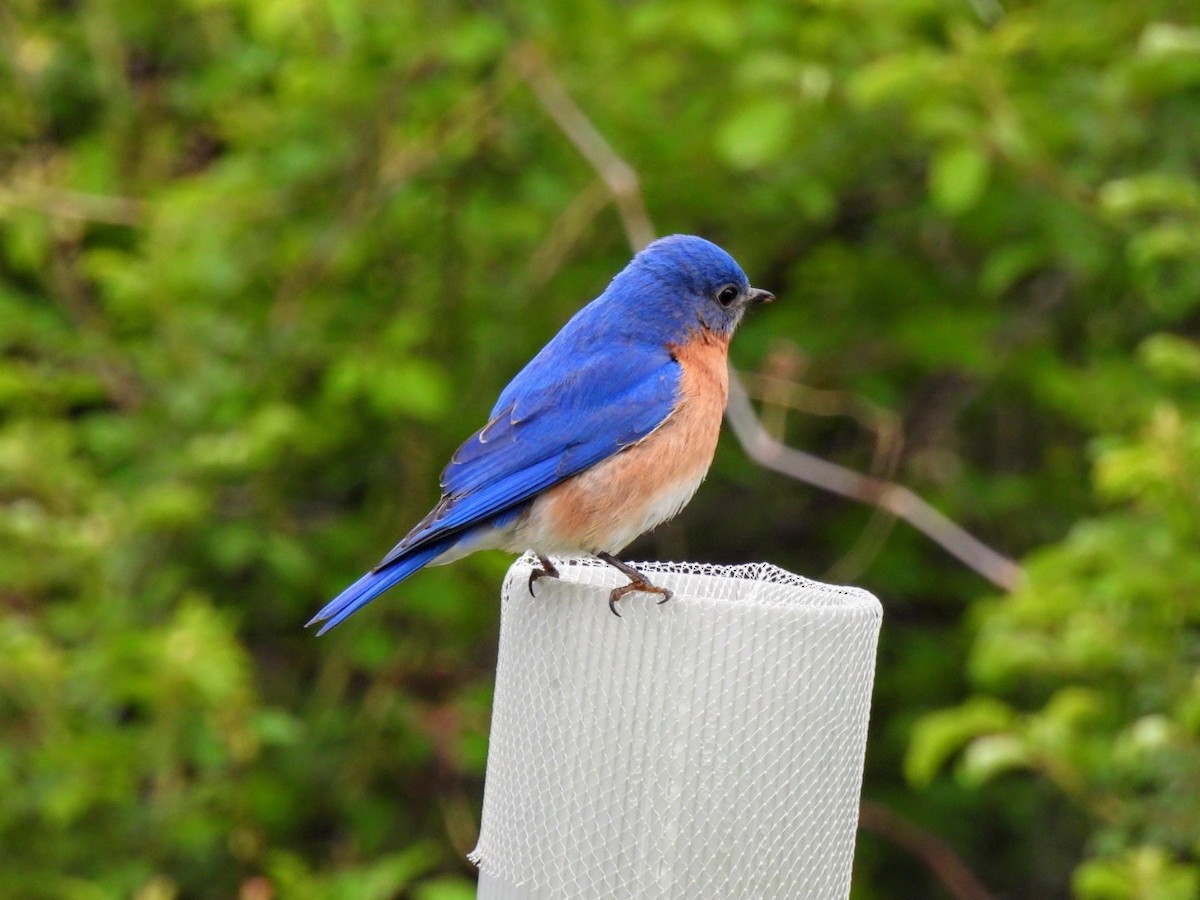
(605, 434)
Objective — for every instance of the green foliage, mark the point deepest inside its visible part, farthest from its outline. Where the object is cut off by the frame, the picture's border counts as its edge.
(1098, 651)
(264, 264)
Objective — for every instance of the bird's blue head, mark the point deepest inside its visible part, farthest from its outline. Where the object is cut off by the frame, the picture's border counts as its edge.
(688, 282)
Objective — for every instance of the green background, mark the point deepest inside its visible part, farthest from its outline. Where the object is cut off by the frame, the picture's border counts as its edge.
(265, 263)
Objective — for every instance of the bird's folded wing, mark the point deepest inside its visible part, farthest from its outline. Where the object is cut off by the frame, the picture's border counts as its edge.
(551, 431)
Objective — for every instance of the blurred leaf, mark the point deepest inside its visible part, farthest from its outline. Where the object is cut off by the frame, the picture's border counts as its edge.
(992, 755)
(1142, 872)
(939, 735)
(445, 889)
(1174, 358)
(756, 135)
(958, 176)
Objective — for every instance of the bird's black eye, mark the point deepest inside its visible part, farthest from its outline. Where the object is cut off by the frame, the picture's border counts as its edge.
(727, 295)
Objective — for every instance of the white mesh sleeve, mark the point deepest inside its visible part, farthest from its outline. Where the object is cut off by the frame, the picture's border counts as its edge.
(710, 747)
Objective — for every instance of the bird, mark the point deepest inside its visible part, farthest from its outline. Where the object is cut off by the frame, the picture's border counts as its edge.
(606, 433)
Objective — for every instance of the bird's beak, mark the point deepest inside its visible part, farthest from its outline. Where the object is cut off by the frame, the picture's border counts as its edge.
(757, 295)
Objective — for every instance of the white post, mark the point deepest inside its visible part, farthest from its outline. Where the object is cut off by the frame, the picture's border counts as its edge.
(710, 747)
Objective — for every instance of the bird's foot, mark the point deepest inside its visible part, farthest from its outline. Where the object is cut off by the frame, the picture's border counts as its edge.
(637, 585)
(637, 582)
(547, 570)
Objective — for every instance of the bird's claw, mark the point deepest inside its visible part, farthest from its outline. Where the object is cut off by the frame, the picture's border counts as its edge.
(637, 582)
(644, 587)
(547, 570)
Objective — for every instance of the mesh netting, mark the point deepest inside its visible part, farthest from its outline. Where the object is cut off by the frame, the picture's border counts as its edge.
(711, 747)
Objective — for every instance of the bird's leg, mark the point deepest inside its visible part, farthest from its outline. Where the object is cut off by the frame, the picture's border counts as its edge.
(637, 582)
(547, 570)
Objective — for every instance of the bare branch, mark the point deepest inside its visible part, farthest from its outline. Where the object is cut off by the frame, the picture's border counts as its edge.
(900, 501)
(566, 232)
(118, 375)
(778, 389)
(760, 446)
(72, 204)
(959, 881)
(617, 175)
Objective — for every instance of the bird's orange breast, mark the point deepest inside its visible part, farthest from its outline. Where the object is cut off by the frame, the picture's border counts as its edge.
(610, 504)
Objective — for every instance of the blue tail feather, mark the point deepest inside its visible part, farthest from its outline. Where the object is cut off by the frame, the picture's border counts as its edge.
(375, 583)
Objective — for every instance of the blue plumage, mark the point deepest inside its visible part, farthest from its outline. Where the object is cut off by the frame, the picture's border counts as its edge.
(375, 583)
(607, 380)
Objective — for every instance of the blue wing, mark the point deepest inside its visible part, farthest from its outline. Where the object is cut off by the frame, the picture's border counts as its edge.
(550, 423)
(550, 432)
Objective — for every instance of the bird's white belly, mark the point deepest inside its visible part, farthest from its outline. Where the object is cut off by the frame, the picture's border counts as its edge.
(594, 512)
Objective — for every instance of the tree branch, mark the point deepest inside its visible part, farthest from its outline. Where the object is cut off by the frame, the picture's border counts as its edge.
(958, 880)
(117, 374)
(566, 232)
(72, 204)
(617, 175)
(900, 501)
